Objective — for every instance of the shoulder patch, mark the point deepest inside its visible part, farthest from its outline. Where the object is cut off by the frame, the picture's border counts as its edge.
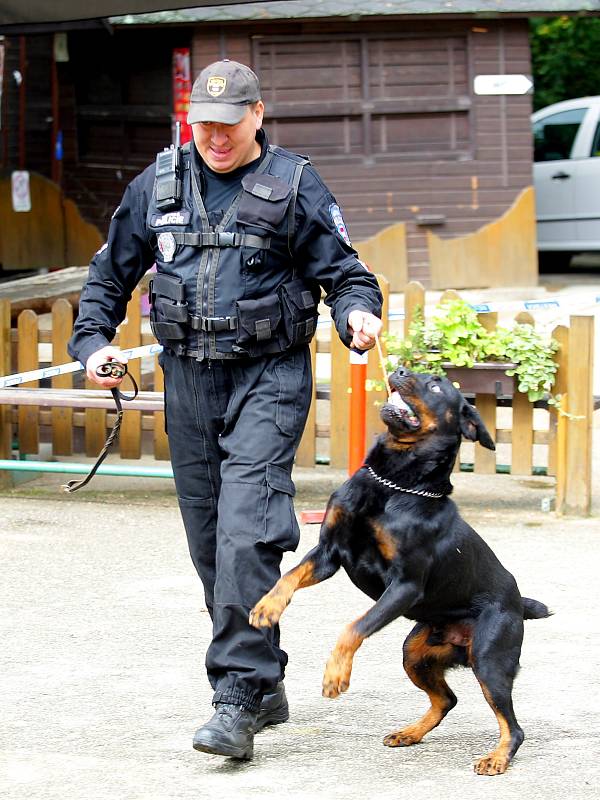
(336, 216)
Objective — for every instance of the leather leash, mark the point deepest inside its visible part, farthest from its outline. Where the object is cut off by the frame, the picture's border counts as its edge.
(113, 369)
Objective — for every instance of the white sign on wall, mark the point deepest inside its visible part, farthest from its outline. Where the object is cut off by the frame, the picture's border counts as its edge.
(502, 84)
(21, 197)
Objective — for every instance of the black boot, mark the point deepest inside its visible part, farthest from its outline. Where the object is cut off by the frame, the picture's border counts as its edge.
(274, 708)
(230, 732)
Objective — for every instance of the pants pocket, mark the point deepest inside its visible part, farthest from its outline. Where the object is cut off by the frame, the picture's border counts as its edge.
(278, 525)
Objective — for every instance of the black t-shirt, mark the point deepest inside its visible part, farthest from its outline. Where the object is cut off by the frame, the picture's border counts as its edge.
(220, 188)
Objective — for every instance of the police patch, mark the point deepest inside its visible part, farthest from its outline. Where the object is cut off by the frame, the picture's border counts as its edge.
(171, 218)
(215, 85)
(336, 216)
(167, 246)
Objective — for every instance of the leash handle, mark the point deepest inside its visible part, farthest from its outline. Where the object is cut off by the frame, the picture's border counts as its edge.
(113, 369)
(383, 369)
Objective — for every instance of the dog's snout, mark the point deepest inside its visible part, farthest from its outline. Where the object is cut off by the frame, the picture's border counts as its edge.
(402, 372)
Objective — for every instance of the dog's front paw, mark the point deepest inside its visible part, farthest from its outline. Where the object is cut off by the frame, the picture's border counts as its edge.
(337, 676)
(404, 738)
(268, 610)
(492, 764)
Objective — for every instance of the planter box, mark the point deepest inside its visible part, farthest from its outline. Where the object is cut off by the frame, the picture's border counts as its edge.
(483, 378)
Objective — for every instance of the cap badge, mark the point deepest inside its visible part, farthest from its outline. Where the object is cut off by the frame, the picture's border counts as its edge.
(167, 246)
(215, 85)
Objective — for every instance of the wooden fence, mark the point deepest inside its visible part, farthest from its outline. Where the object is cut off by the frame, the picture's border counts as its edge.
(510, 418)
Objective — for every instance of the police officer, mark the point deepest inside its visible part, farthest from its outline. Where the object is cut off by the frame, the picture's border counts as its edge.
(244, 236)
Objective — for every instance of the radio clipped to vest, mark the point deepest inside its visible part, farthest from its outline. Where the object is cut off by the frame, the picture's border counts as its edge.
(169, 174)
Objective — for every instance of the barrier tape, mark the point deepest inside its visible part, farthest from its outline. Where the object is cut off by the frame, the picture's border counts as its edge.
(73, 366)
(553, 304)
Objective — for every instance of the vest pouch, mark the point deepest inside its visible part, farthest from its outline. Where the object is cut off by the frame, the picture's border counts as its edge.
(169, 311)
(299, 309)
(265, 201)
(258, 323)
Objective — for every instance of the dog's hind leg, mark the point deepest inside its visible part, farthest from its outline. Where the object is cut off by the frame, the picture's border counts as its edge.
(425, 665)
(494, 657)
(316, 566)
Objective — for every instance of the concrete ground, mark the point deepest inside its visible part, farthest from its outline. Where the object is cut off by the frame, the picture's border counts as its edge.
(104, 629)
(104, 632)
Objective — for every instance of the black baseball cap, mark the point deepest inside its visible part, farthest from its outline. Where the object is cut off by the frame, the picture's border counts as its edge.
(222, 92)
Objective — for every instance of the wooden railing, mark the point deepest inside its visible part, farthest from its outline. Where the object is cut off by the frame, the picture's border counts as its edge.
(566, 440)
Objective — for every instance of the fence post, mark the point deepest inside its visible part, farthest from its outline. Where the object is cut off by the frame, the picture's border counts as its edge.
(414, 295)
(130, 335)
(27, 359)
(62, 418)
(5, 411)
(521, 457)
(485, 460)
(578, 450)
(561, 357)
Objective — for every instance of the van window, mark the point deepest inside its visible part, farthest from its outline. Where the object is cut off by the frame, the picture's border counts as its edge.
(553, 136)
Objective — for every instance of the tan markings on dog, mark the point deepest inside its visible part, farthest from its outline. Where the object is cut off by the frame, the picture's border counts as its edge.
(339, 666)
(449, 416)
(496, 762)
(431, 680)
(429, 421)
(271, 606)
(387, 545)
(334, 516)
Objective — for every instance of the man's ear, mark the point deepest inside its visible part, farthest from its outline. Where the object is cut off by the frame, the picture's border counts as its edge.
(472, 427)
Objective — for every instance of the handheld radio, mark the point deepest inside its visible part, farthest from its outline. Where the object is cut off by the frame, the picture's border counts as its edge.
(169, 174)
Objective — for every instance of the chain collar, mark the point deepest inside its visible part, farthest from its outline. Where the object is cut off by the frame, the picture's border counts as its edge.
(395, 486)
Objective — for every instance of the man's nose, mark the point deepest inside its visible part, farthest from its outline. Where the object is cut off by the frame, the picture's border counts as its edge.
(219, 134)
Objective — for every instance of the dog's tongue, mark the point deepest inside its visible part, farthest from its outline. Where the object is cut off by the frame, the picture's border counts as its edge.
(403, 408)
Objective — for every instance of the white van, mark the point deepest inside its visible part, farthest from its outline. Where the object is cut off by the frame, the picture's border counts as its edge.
(566, 176)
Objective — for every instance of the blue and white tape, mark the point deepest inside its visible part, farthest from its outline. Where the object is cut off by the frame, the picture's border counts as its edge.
(74, 366)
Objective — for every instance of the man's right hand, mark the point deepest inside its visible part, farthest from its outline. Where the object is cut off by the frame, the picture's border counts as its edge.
(100, 357)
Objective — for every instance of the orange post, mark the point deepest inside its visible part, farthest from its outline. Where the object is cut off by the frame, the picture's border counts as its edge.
(358, 411)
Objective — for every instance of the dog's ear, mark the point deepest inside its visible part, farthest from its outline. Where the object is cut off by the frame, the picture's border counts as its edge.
(473, 428)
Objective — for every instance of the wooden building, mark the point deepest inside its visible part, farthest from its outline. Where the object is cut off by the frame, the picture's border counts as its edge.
(380, 95)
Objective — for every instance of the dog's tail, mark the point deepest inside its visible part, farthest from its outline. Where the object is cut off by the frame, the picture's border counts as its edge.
(533, 609)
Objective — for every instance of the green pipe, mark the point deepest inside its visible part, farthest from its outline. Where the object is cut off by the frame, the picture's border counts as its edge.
(83, 469)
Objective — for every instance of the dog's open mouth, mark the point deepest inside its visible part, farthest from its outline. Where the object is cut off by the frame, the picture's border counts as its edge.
(403, 410)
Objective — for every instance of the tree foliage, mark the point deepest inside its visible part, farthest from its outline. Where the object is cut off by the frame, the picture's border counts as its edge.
(565, 54)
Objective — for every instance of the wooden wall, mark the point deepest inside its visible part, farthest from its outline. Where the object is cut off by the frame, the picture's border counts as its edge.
(387, 114)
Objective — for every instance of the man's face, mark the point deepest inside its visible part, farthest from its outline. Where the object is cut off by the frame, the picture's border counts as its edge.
(225, 147)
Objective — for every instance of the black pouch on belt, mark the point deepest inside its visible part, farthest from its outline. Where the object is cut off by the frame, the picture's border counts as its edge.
(258, 324)
(299, 311)
(169, 311)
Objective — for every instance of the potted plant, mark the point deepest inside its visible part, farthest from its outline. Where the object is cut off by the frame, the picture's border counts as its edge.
(454, 342)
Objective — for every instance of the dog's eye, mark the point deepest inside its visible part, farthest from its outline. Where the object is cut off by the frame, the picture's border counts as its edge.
(435, 387)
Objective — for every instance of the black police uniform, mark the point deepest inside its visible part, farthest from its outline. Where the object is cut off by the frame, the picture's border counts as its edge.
(240, 266)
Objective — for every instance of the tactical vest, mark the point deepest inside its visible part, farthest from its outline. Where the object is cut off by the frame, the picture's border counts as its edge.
(231, 290)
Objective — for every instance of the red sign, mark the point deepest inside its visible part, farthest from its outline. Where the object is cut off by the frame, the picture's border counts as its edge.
(182, 87)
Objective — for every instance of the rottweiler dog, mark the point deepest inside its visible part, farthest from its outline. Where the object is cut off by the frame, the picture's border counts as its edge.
(402, 541)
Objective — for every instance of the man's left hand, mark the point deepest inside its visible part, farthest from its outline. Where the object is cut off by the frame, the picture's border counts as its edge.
(365, 328)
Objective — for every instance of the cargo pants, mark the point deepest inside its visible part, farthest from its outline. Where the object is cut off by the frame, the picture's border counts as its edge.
(234, 427)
